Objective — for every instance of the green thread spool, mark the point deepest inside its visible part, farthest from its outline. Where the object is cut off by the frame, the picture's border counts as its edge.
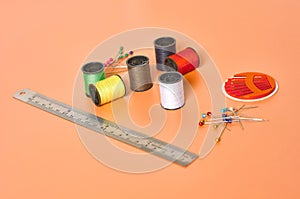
(92, 73)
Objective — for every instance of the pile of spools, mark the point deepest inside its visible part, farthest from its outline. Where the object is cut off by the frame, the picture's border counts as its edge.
(103, 90)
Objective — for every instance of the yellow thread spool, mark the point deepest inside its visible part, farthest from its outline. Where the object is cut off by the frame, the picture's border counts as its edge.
(107, 90)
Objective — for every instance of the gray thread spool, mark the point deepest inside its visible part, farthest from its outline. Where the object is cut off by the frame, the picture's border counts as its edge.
(164, 47)
(139, 73)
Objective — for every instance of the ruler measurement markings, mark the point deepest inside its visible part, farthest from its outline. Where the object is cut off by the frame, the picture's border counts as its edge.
(105, 127)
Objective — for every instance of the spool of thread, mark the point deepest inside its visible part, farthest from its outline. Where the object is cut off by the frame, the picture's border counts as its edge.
(139, 73)
(184, 61)
(92, 73)
(164, 47)
(171, 90)
(107, 90)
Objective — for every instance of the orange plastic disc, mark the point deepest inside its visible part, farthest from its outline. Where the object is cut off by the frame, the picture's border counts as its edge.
(250, 86)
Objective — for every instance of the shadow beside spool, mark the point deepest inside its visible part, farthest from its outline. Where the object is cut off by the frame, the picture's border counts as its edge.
(164, 47)
(95, 94)
(92, 73)
(139, 73)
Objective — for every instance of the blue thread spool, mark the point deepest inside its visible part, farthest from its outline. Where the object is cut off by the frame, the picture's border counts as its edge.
(164, 47)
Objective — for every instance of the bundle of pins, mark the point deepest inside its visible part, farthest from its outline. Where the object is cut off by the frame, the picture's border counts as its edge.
(229, 115)
(112, 65)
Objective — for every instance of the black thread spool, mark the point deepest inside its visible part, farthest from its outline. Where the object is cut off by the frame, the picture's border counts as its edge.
(164, 47)
(139, 73)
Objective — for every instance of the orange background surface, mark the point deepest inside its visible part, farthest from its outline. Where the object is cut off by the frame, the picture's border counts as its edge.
(42, 46)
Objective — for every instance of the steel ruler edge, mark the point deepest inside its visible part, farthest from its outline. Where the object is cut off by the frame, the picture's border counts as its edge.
(149, 144)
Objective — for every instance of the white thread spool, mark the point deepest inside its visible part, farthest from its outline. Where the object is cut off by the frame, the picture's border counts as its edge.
(171, 90)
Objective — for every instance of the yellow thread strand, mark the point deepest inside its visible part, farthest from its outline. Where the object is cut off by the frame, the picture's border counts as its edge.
(110, 89)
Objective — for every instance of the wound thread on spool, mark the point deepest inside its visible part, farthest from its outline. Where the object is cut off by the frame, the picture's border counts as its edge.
(92, 73)
(184, 61)
(107, 90)
(164, 47)
(171, 90)
(139, 73)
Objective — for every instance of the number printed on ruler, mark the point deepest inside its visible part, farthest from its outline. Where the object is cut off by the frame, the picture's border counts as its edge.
(110, 129)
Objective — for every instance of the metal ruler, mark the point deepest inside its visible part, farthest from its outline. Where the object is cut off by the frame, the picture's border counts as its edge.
(105, 127)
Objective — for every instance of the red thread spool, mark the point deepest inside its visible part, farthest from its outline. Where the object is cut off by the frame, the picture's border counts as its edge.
(184, 61)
